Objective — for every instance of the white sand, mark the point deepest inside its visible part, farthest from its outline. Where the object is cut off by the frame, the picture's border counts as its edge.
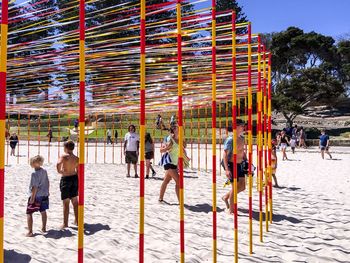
(311, 215)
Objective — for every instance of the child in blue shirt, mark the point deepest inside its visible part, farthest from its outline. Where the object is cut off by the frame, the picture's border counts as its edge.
(38, 194)
(324, 144)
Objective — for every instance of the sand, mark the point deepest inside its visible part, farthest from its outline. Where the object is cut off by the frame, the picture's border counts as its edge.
(311, 220)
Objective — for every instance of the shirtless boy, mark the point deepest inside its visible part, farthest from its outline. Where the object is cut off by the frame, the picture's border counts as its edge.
(67, 166)
(228, 164)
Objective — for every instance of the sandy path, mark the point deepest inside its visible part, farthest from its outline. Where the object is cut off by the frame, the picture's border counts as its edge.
(311, 217)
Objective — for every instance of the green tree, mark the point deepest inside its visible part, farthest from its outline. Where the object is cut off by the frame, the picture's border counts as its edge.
(305, 71)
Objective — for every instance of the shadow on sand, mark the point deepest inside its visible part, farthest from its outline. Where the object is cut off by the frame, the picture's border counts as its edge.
(202, 208)
(57, 234)
(11, 256)
(90, 229)
(275, 218)
(288, 188)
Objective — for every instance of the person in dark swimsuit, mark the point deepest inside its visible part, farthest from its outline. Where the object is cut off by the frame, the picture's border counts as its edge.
(13, 143)
(284, 142)
(67, 166)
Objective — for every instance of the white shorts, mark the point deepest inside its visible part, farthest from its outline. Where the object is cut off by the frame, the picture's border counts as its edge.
(283, 146)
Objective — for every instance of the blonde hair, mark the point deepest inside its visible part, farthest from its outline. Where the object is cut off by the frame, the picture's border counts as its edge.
(37, 159)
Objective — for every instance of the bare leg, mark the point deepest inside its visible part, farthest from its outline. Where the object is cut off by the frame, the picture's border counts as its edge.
(74, 201)
(30, 225)
(275, 180)
(128, 169)
(44, 220)
(148, 165)
(327, 152)
(225, 198)
(135, 169)
(167, 179)
(153, 172)
(322, 154)
(175, 176)
(65, 213)
(240, 188)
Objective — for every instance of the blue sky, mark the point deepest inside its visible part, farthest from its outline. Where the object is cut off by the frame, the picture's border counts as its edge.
(329, 17)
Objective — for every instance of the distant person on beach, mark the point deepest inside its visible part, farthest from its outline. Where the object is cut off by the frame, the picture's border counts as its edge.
(13, 143)
(274, 162)
(149, 154)
(76, 124)
(159, 123)
(109, 137)
(131, 149)
(227, 163)
(38, 200)
(173, 120)
(7, 134)
(49, 135)
(293, 143)
(283, 144)
(324, 144)
(302, 138)
(278, 138)
(67, 166)
(295, 133)
(170, 157)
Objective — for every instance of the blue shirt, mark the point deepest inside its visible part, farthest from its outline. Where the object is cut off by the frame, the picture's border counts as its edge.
(228, 146)
(324, 139)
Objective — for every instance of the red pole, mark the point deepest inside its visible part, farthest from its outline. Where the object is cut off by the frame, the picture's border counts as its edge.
(142, 127)
(213, 123)
(269, 136)
(250, 144)
(265, 141)
(234, 126)
(181, 150)
(81, 130)
(259, 143)
(3, 70)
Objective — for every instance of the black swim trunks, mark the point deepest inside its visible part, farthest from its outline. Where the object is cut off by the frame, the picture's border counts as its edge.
(241, 172)
(170, 166)
(149, 155)
(69, 187)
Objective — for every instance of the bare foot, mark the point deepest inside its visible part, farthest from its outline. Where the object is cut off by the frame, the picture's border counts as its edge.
(63, 226)
(75, 223)
(43, 231)
(226, 202)
(231, 213)
(29, 234)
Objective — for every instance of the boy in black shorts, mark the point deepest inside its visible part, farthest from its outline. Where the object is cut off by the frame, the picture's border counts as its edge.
(67, 166)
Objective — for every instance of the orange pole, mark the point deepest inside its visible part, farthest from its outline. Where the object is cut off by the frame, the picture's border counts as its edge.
(28, 139)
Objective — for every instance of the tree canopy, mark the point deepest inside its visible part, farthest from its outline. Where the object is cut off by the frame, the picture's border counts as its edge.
(308, 68)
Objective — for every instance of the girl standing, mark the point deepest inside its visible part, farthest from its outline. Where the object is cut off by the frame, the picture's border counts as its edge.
(149, 154)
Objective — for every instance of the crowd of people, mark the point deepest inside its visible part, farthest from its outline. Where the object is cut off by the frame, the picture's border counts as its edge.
(67, 166)
(296, 137)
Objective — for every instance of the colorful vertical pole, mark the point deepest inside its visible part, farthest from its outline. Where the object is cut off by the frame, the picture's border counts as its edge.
(81, 130)
(250, 138)
(213, 124)
(265, 141)
(142, 128)
(28, 140)
(269, 135)
(181, 139)
(234, 126)
(199, 138)
(259, 143)
(3, 70)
